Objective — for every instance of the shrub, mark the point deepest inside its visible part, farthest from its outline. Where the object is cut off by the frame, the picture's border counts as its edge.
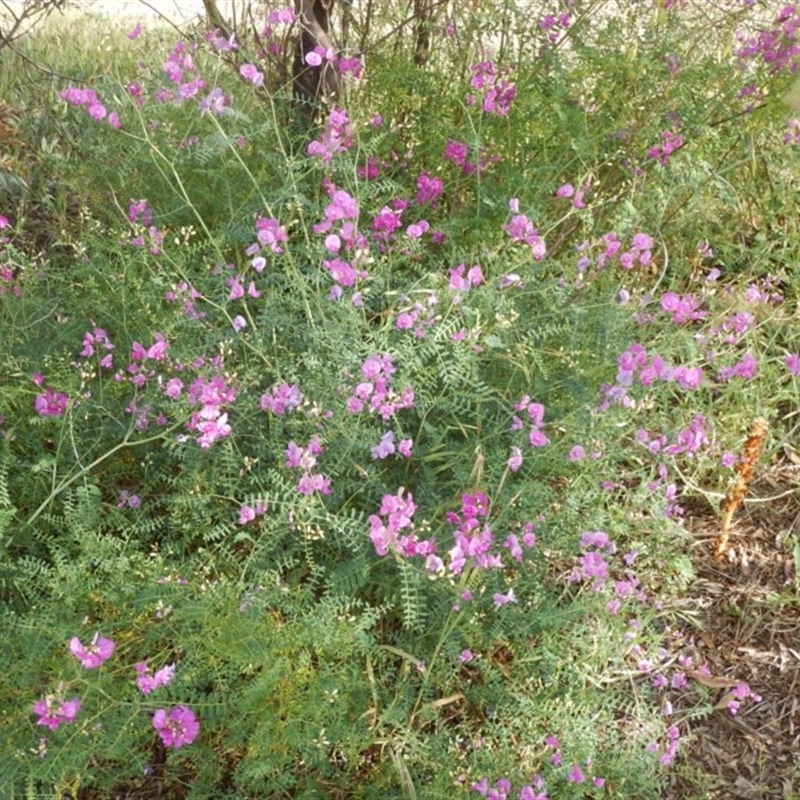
(337, 461)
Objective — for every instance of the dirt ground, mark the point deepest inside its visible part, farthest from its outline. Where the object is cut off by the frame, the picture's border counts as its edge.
(745, 609)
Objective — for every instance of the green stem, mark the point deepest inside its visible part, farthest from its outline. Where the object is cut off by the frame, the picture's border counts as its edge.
(67, 482)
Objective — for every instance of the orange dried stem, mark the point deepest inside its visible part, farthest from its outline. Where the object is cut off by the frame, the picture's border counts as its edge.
(744, 470)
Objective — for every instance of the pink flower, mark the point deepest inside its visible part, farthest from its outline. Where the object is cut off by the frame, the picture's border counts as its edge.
(94, 654)
(246, 514)
(793, 363)
(503, 599)
(251, 73)
(178, 727)
(53, 710)
(147, 683)
(135, 33)
(577, 453)
(51, 403)
(283, 17)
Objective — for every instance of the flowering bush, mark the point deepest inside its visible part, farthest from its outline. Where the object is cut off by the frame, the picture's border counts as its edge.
(371, 445)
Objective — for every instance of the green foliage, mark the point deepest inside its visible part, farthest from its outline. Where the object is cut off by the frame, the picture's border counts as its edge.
(317, 666)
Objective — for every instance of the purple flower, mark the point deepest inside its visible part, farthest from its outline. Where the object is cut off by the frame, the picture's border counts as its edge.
(239, 323)
(53, 709)
(503, 599)
(385, 447)
(282, 397)
(94, 654)
(793, 363)
(178, 727)
(746, 368)
(576, 774)
(429, 189)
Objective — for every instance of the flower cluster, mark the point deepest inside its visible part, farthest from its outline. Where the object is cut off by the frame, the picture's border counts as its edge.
(593, 567)
(555, 24)
(778, 47)
(575, 773)
(337, 137)
(54, 710)
(148, 682)
(458, 153)
(220, 43)
(792, 135)
(249, 513)
(342, 233)
(387, 221)
(98, 338)
(682, 308)
(211, 422)
(419, 316)
(429, 190)
(252, 74)
(535, 412)
(670, 143)
(140, 216)
(392, 528)
(521, 229)
(282, 398)
(473, 536)
(283, 16)
(461, 282)
(186, 292)
(498, 93)
(667, 756)
(567, 190)
(269, 233)
(745, 369)
(737, 695)
(636, 361)
(95, 653)
(639, 252)
(51, 403)
(180, 69)
(88, 99)
(376, 392)
(305, 459)
(176, 727)
(386, 447)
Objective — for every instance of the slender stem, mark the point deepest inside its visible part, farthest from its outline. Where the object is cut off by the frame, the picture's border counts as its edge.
(66, 482)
